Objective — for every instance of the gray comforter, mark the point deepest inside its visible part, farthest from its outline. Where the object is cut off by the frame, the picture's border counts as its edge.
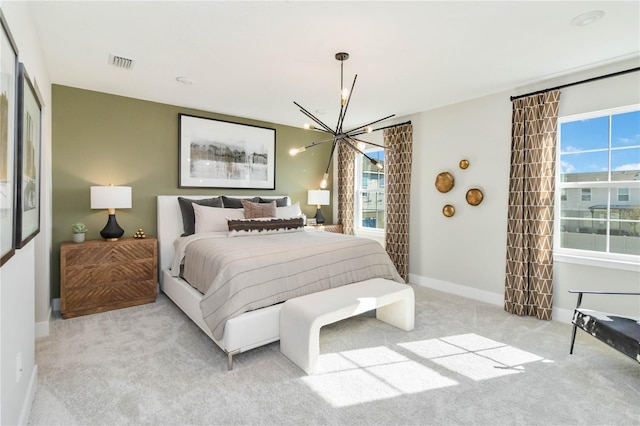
(245, 273)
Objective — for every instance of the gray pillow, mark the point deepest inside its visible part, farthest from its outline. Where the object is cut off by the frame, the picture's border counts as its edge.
(280, 202)
(188, 216)
(236, 203)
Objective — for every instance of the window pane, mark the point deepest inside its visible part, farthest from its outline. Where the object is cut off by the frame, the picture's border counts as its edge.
(585, 135)
(585, 167)
(622, 240)
(579, 205)
(579, 234)
(373, 210)
(625, 129)
(625, 164)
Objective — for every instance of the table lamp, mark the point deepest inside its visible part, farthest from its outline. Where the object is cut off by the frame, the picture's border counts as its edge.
(319, 197)
(111, 198)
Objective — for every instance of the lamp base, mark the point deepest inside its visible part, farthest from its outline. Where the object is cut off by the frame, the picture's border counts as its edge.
(112, 231)
(319, 217)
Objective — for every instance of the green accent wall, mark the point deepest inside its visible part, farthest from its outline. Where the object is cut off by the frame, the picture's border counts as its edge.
(102, 139)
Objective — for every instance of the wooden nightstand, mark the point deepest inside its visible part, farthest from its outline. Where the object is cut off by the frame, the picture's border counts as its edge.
(98, 275)
(337, 228)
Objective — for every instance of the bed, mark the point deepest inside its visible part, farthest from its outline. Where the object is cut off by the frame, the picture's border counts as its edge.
(258, 325)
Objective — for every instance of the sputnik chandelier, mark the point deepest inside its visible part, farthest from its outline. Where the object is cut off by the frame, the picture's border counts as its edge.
(349, 137)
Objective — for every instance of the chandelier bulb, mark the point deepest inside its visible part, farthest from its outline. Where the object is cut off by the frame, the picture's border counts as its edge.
(344, 95)
(323, 184)
(361, 146)
(369, 129)
(294, 151)
(309, 126)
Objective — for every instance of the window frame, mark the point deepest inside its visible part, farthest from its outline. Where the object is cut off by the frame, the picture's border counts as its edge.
(358, 194)
(590, 257)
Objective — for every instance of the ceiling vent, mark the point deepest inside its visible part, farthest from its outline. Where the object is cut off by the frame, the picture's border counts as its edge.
(121, 61)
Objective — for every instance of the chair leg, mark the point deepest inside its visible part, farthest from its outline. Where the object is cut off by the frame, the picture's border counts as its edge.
(573, 338)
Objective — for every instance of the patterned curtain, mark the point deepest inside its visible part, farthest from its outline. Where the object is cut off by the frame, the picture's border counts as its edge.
(399, 141)
(529, 271)
(346, 187)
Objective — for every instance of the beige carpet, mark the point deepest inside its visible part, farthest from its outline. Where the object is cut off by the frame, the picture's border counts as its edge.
(465, 363)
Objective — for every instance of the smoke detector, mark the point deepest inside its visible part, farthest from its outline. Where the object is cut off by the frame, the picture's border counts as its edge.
(121, 61)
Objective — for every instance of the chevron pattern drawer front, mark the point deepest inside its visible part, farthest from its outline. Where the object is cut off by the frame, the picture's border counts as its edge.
(98, 276)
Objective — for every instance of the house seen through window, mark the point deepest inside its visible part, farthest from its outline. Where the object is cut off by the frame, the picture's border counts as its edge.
(370, 186)
(598, 184)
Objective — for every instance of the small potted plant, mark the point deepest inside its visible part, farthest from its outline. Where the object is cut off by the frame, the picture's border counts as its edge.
(78, 232)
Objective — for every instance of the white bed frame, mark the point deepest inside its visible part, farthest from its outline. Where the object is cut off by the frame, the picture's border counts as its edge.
(247, 331)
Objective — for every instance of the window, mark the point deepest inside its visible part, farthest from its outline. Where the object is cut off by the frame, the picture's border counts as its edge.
(370, 198)
(598, 179)
(623, 195)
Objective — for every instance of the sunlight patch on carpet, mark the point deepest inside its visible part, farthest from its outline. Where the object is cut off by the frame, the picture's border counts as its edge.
(473, 356)
(371, 374)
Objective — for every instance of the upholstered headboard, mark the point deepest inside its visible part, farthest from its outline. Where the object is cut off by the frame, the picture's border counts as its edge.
(170, 224)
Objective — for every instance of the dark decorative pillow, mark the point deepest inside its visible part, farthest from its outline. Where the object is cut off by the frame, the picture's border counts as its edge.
(188, 217)
(258, 210)
(247, 227)
(280, 202)
(235, 203)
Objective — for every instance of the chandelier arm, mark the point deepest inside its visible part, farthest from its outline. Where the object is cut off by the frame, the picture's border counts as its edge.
(318, 143)
(368, 143)
(346, 107)
(333, 148)
(358, 129)
(354, 147)
(314, 118)
(325, 128)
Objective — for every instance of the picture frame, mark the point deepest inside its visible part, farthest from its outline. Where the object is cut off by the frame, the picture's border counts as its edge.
(28, 159)
(8, 126)
(222, 154)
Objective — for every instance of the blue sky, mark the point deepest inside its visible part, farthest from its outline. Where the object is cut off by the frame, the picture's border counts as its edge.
(587, 142)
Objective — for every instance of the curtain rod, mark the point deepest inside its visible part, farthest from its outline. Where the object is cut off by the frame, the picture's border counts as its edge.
(537, 92)
(392, 125)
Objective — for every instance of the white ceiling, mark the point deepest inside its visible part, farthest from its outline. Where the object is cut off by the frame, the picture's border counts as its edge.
(253, 59)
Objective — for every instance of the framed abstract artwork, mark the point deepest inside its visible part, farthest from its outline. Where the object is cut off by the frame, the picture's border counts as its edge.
(28, 160)
(221, 154)
(8, 105)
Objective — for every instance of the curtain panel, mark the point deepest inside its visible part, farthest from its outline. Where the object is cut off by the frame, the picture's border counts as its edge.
(346, 187)
(529, 268)
(398, 157)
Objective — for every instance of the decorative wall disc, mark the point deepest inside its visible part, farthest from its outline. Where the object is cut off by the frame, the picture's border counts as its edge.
(464, 164)
(444, 182)
(448, 210)
(474, 196)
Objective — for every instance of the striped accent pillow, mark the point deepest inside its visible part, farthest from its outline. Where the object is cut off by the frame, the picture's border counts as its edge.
(266, 226)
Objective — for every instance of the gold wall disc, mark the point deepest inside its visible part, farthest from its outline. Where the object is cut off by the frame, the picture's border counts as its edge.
(474, 196)
(448, 210)
(464, 164)
(444, 182)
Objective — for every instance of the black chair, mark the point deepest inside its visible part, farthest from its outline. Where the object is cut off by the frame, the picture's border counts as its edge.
(621, 333)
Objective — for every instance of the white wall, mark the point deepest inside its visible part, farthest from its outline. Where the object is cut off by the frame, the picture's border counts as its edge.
(465, 254)
(24, 288)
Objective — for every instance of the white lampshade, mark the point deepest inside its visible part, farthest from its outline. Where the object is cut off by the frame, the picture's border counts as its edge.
(318, 197)
(110, 197)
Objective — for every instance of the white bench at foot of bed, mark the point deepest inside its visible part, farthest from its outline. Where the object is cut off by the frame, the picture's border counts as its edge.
(302, 317)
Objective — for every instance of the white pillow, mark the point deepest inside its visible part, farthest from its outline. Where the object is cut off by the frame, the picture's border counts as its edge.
(214, 219)
(288, 211)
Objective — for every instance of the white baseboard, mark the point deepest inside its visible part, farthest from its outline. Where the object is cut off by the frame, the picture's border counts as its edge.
(457, 289)
(25, 412)
(558, 314)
